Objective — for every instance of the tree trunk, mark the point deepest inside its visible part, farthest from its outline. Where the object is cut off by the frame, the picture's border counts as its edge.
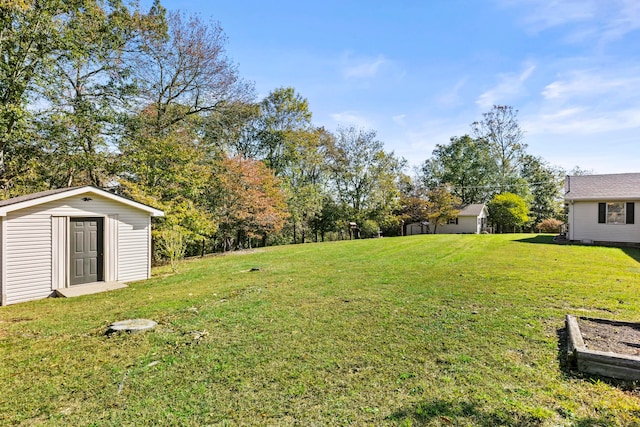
(294, 234)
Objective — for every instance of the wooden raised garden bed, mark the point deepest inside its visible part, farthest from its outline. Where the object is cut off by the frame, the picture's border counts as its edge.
(601, 361)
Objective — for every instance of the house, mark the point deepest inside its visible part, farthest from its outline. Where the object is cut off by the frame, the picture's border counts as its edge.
(472, 219)
(416, 228)
(66, 237)
(601, 208)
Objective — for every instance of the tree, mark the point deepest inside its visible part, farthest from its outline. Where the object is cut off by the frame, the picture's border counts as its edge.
(364, 176)
(247, 200)
(546, 185)
(183, 75)
(305, 176)
(87, 86)
(185, 72)
(466, 165)
(442, 206)
(29, 37)
(507, 211)
(283, 113)
(326, 220)
(499, 128)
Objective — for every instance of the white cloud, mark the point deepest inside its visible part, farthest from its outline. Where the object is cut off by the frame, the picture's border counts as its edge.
(362, 68)
(452, 98)
(625, 20)
(352, 118)
(585, 20)
(400, 120)
(509, 87)
(580, 84)
(582, 121)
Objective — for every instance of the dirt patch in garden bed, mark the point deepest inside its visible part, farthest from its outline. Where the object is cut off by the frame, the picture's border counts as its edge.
(610, 335)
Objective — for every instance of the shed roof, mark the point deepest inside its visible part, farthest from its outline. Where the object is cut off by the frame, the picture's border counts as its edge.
(33, 199)
(472, 210)
(619, 186)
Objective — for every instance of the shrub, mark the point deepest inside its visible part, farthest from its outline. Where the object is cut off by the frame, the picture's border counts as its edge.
(368, 229)
(550, 225)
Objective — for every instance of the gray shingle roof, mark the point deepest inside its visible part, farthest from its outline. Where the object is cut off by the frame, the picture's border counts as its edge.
(33, 196)
(620, 186)
(472, 210)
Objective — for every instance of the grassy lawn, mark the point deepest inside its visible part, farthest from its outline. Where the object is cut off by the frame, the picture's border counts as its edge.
(421, 330)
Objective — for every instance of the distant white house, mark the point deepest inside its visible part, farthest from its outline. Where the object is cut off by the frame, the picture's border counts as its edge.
(472, 219)
(416, 228)
(601, 208)
(66, 237)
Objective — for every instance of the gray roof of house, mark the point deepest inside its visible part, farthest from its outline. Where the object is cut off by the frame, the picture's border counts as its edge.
(33, 196)
(472, 210)
(619, 186)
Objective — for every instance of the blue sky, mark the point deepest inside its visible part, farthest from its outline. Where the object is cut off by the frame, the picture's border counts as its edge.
(420, 72)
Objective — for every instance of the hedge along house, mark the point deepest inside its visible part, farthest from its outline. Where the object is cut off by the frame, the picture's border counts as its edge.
(601, 208)
(67, 237)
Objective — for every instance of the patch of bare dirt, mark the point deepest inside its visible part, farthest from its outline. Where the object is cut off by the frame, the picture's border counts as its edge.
(610, 335)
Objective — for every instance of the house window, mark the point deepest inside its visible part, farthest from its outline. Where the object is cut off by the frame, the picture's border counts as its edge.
(452, 221)
(616, 213)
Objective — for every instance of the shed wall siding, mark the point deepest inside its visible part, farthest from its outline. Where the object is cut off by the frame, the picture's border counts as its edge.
(466, 224)
(29, 234)
(583, 225)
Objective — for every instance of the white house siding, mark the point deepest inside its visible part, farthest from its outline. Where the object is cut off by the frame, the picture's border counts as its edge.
(583, 225)
(28, 270)
(133, 250)
(416, 228)
(466, 224)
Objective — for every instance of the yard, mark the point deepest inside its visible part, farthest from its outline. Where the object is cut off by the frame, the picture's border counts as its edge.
(420, 330)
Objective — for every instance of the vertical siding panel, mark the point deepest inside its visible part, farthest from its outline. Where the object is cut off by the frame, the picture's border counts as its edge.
(3, 263)
(59, 252)
(133, 256)
(111, 248)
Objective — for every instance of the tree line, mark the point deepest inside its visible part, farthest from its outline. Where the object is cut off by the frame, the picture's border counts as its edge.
(148, 104)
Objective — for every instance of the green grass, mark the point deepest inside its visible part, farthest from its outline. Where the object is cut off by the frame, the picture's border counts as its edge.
(421, 330)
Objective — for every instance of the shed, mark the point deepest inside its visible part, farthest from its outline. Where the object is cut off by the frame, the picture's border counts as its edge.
(67, 237)
(471, 219)
(416, 228)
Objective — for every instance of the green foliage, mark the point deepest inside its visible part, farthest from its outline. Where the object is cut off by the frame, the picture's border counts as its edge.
(466, 165)
(365, 178)
(171, 244)
(369, 229)
(507, 211)
(546, 185)
(442, 206)
(283, 113)
(501, 131)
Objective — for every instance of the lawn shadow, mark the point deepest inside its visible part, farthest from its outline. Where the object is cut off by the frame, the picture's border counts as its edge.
(631, 250)
(633, 253)
(457, 412)
(544, 239)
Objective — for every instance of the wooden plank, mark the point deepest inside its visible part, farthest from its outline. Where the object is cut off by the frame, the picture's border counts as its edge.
(614, 365)
(574, 339)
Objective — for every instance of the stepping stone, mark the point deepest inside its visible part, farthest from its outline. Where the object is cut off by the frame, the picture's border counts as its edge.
(132, 325)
